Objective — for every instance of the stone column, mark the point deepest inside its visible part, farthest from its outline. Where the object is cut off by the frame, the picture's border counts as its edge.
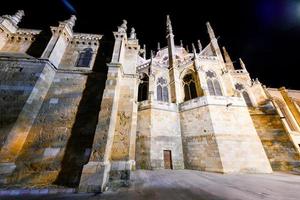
(95, 173)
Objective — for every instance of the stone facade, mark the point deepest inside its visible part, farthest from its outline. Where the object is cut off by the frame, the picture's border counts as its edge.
(70, 118)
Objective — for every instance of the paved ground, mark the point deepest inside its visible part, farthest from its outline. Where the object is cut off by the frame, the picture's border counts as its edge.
(187, 184)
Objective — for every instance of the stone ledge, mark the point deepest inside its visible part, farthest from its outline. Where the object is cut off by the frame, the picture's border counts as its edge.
(4, 192)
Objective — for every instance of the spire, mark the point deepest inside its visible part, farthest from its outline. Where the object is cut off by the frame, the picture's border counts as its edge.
(169, 26)
(226, 56)
(16, 18)
(187, 48)
(171, 44)
(71, 22)
(158, 46)
(151, 56)
(210, 31)
(242, 64)
(194, 51)
(228, 61)
(199, 46)
(193, 46)
(132, 34)
(181, 43)
(150, 66)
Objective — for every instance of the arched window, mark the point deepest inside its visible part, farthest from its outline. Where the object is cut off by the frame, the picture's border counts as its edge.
(162, 90)
(85, 58)
(217, 88)
(213, 84)
(143, 88)
(189, 84)
(211, 88)
(247, 99)
(242, 91)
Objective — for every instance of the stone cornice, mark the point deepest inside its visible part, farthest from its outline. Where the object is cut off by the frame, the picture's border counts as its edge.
(24, 31)
(86, 36)
(65, 31)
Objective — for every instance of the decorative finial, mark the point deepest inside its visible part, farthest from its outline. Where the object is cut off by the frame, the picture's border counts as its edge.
(199, 46)
(181, 43)
(169, 25)
(123, 27)
(158, 46)
(210, 31)
(228, 61)
(71, 21)
(16, 18)
(152, 54)
(226, 56)
(187, 48)
(242, 64)
(257, 81)
(132, 34)
(194, 49)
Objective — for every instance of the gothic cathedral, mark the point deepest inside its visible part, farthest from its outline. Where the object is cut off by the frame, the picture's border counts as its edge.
(81, 113)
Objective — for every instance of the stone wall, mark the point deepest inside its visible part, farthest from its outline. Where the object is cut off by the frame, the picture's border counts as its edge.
(199, 143)
(16, 43)
(72, 52)
(17, 80)
(60, 141)
(158, 130)
(236, 137)
(278, 146)
(217, 132)
(143, 140)
(165, 135)
(126, 120)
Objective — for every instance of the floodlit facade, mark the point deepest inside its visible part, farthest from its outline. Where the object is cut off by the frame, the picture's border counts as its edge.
(76, 114)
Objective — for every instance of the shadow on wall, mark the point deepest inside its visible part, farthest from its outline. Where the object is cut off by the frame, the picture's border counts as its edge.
(39, 45)
(80, 143)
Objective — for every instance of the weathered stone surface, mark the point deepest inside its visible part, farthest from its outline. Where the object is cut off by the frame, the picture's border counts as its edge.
(278, 146)
(66, 120)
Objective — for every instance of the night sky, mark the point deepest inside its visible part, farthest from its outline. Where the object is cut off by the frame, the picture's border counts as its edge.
(265, 33)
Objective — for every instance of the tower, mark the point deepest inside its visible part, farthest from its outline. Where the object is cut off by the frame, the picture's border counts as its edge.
(173, 65)
(113, 153)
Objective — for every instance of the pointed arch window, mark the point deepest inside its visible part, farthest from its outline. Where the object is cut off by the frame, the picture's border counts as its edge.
(143, 88)
(242, 92)
(247, 99)
(190, 90)
(214, 87)
(162, 90)
(85, 58)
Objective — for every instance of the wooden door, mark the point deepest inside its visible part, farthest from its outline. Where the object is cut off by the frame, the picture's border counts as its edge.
(168, 159)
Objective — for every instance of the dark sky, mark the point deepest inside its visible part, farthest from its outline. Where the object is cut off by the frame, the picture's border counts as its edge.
(265, 33)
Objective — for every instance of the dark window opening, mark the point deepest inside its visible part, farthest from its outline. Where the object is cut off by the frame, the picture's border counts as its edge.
(143, 89)
(217, 88)
(247, 99)
(85, 58)
(211, 88)
(190, 90)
